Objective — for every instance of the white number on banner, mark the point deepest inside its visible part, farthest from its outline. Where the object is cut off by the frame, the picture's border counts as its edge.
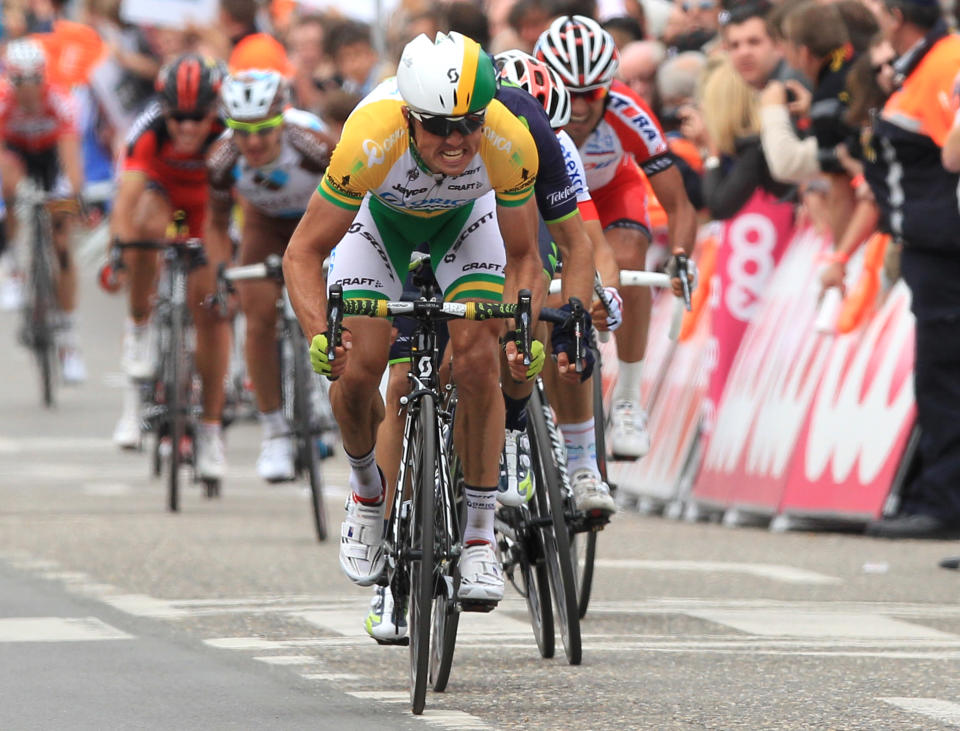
(752, 237)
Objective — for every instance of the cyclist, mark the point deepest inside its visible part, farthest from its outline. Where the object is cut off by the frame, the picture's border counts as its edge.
(616, 132)
(164, 171)
(38, 129)
(271, 157)
(440, 161)
(573, 402)
(560, 222)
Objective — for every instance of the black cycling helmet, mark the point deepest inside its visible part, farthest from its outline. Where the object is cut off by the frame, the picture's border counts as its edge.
(190, 83)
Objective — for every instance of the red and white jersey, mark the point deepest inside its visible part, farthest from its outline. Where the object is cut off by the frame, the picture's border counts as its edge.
(627, 127)
(40, 131)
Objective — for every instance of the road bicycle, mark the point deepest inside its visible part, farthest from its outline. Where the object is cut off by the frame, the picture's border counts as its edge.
(423, 541)
(171, 397)
(304, 394)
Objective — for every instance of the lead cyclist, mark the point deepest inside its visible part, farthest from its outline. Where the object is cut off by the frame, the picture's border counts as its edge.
(439, 160)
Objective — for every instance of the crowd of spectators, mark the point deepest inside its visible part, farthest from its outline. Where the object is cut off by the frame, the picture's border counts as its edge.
(787, 98)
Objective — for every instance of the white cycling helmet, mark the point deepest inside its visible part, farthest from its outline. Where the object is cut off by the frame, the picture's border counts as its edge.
(580, 51)
(450, 76)
(254, 94)
(25, 57)
(538, 80)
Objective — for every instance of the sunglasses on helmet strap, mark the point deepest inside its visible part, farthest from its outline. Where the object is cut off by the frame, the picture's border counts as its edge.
(446, 126)
(589, 95)
(198, 115)
(244, 129)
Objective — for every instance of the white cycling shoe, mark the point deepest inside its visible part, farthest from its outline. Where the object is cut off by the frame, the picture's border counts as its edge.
(590, 494)
(211, 458)
(380, 623)
(137, 358)
(361, 540)
(481, 578)
(629, 438)
(276, 461)
(72, 366)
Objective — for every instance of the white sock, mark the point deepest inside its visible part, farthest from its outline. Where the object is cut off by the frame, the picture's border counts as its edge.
(627, 387)
(481, 502)
(67, 337)
(365, 477)
(273, 424)
(581, 444)
(211, 428)
(137, 329)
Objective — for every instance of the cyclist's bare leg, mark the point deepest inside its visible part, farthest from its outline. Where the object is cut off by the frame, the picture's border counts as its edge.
(630, 248)
(355, 396)
(12, 171)
(66, 271)
(390, 433)
(213, 334)
(151, 217)
(478, 432)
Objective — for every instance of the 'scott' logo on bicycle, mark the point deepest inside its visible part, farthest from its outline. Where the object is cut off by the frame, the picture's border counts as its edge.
(425, 366)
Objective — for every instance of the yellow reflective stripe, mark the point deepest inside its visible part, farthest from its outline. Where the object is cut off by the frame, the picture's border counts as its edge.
(475, 285)
(468, 71)
(381, 308)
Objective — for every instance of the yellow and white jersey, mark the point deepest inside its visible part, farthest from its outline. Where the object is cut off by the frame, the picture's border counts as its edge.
(375, 156)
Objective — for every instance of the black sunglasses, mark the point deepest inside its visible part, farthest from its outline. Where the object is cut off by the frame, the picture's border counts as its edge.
(446, 126)
(196, 116)
(877, 68)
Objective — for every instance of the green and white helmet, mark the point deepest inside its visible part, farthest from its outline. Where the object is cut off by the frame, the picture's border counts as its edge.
(450, 76)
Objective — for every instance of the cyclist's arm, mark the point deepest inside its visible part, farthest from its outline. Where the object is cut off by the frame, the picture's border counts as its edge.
(603, 258)
(681, 215)
(68, 147)
(216, 227)
(321, 228)
(576, 247)
(130, 187)
(518, 228)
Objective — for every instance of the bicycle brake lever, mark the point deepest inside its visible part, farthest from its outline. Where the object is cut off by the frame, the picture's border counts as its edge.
(334, 320)
(576, 311)
(684, 279)
(524, 315)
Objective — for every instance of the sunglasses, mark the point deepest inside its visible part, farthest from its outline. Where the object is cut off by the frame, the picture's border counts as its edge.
(881, 66)
(702, 5)
(195, 116)
(245, 129)
(589, 95)
(20, 80)
(446, 126)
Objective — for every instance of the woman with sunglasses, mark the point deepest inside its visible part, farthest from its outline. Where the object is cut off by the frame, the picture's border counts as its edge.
(164, 171)
(270, 161)
(619, 140)
(39, 139)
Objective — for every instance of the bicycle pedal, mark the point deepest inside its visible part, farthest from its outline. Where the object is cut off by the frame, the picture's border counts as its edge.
(400, 642)
(474, 605)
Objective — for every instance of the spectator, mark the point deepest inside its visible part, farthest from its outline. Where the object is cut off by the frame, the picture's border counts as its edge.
(466, 18)
(528, 19)
(728, 126)
(753, 51)
(639, 62)
(703, 21)
(677, 81)
(917, 198)
(355, 61)
(338, 106)
(310, 63)
(676, 27)
(624, 29)
(818, 46)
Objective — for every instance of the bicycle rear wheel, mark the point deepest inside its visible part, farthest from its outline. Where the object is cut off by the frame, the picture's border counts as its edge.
(176, 394)
(548, 506)
(304, 423)
(422, 579)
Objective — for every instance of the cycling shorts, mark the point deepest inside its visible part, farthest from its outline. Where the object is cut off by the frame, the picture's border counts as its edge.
(43, 167)
(622, 203)
(466, 251)
(195, 210)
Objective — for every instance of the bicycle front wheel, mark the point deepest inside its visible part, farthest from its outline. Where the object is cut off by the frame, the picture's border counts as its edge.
(422, 584)
(42, 307)
(175, 390)
(548, 499)
(446, 617)
(304, 425)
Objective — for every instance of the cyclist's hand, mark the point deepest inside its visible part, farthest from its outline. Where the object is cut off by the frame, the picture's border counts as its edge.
(564, 347)
(320, 361)
(692, 274)
(518, 370)
(608, 316)
(832, 276)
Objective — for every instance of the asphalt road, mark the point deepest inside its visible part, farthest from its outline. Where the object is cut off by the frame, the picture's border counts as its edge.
(116, 614)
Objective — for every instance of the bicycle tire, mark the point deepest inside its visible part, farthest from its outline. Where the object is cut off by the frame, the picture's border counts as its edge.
(584, 545)
(548, 501)
(446, 617)
(303, 426)
(176, 400)
(43, 306)
(536, 586)
(422, 580)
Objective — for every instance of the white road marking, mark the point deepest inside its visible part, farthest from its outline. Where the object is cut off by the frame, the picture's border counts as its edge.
(942, 711)
(774, 572)
(288, 659)
(58, 629)
(384, 696)
(797, 622)
(331, 676)
(452, 719)
(349, 621)
(57, 445)
(107, 489)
